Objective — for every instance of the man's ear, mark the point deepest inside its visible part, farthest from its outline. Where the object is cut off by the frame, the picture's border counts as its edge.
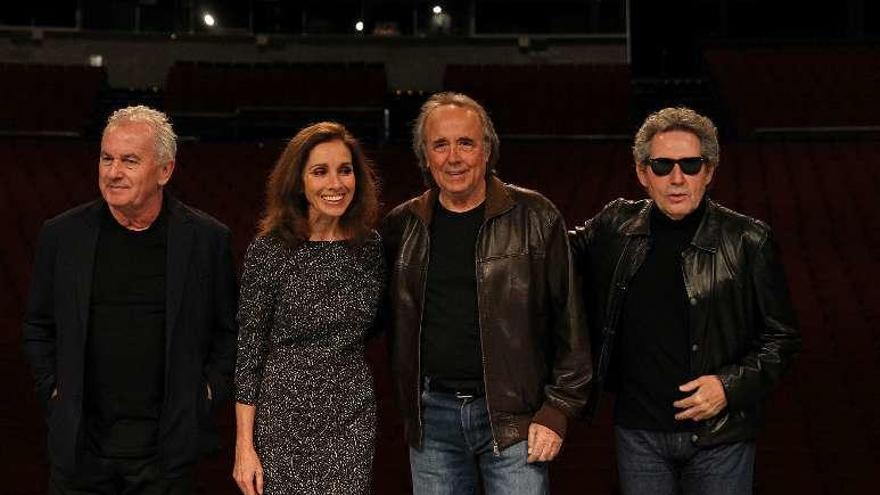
(642, 174)
(165, 171)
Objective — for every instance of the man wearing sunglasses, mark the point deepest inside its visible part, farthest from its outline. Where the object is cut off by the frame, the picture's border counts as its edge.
(692, 318)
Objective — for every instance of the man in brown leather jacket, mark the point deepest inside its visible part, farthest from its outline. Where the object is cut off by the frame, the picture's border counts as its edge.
(691, 306)
(490, 351)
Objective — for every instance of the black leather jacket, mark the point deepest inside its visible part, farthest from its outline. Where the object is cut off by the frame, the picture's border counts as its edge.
(742, 326)
(536, 355)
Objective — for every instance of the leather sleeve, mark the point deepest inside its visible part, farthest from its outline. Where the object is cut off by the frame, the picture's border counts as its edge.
(776, 341)
(583, 237)
(389, 232)
(572, 368)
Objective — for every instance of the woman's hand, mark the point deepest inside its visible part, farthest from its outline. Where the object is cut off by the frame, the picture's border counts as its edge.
(248, 471)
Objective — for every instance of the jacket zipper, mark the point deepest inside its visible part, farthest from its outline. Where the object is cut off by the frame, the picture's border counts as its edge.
(619, 283)
(495, 450)
(419, 342)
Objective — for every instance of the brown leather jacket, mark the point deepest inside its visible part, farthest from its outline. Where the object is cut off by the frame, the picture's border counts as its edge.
(536, 354)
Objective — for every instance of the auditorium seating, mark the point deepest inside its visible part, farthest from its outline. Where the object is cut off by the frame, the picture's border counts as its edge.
(545, 99)
(823, 424)
(265, 101)
(562, 128)
(798, 87)
(220, 87)
(48, 99)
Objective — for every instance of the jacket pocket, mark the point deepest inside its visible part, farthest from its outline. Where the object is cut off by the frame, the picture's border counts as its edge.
(205, 402)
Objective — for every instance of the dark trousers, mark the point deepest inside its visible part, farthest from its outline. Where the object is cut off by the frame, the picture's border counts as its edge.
(119, 476)
(661, 463)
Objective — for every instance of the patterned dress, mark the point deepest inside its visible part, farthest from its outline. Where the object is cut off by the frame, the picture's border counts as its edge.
(303, 316)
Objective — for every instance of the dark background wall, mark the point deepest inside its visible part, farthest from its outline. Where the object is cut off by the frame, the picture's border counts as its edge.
(792, 87)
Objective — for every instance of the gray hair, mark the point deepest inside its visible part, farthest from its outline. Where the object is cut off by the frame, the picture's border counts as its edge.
(491, 144)
(677, 119)
(165, 139)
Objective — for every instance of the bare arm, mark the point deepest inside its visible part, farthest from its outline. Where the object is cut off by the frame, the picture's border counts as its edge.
(248, 471)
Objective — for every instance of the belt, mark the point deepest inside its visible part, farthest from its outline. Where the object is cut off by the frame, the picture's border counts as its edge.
(459, 388)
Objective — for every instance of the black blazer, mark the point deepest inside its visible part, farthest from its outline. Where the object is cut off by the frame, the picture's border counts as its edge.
(200, 330)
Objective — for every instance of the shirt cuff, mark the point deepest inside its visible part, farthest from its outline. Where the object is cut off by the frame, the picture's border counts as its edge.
(552, 418)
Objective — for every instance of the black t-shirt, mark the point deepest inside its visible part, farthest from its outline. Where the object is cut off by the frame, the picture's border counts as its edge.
(125, 350)
(450, 344)
(654, 342)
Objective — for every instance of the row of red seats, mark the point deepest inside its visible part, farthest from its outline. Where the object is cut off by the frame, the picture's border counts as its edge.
(214, 87)
(789, 87)
(48, 98)
(823, 420)
(796, 87)
(549, 99)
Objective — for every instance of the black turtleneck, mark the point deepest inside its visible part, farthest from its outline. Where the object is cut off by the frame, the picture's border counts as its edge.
(125, 349)
(654, 340)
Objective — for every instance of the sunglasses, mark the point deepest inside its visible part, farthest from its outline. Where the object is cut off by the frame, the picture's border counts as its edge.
(689, 166)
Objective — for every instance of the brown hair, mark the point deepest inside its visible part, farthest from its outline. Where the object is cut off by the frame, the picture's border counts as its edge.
(287, 211)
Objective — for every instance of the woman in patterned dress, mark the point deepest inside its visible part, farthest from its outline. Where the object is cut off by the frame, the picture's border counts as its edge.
(311, 285)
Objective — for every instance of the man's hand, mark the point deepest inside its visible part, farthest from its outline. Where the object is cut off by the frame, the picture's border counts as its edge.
(706, 402)
(248, 471)
(544, 443)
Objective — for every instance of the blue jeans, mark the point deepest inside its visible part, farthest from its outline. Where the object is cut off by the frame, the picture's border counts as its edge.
(457, 450)
(658, 462)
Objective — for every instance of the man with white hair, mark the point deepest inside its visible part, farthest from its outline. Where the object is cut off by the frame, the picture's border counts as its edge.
(130, 325)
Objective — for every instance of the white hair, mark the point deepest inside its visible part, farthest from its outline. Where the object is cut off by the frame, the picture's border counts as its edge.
(165, 139)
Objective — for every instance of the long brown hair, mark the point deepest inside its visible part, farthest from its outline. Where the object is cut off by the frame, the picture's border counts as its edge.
(287, 211)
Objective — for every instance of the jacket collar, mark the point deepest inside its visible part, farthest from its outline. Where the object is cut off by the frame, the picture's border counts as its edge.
(93, 212)
(83, 247)
(180, 240)
(181, 234)
(176, 211)
(498, 200)
(708, 234)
